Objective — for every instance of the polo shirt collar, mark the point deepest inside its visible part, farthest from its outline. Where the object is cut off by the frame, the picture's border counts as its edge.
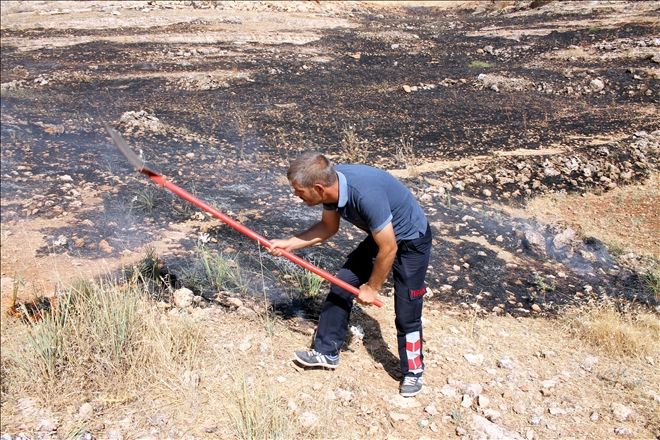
(343, 190)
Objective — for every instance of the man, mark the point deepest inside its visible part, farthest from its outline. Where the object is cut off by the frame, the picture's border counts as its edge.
(399, 240)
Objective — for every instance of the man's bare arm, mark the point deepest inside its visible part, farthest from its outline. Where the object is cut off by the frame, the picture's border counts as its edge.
(319, 232)
(387, 247)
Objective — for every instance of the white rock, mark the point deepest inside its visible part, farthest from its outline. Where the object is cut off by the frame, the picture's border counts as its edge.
(483, 401)
(548, 384)
(47, 425)
(535, 420)
(431, 409)
(66, 178)
(489, 430)
(492, 414)
(506, 363)
(556, 410)
(183, 297)
(403, 402)
(114, 434)
(589, 362)
(292, 406)
(623, 431)
(85, 410)
(448, 391)
(466, 402)
(308, 419)
(597, 85)
(474, 359)
(398, 417)
(621, 412)
(344, 395)
(245, 345)
(472, 389)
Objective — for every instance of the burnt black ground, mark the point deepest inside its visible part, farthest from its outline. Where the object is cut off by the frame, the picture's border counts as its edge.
(244, 134)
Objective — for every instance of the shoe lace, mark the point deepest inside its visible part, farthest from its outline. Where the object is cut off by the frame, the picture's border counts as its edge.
(409, 380)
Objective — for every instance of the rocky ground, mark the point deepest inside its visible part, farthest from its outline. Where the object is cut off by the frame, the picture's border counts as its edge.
(489, 112)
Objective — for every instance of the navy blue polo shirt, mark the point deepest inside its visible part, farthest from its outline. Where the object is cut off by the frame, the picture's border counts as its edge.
(371, 198)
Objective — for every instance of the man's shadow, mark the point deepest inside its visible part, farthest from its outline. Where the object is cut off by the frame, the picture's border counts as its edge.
(376, 345)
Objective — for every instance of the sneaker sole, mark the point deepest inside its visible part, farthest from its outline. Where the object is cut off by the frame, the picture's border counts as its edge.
(307, 364)
(411, 394)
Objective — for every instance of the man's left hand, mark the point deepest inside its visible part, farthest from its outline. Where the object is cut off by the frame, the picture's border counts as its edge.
(367, 294)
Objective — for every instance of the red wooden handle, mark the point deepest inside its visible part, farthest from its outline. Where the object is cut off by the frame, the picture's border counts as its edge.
(160, 180)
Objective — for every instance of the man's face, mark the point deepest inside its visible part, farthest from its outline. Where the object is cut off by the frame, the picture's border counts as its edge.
(312, 195)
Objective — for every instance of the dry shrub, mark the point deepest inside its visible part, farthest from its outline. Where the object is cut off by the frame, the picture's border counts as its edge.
(101, 337)
(615, 332)
(257, 413)
(353, 149)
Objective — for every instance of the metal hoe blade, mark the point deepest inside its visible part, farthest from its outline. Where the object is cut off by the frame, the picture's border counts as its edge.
(119, 141)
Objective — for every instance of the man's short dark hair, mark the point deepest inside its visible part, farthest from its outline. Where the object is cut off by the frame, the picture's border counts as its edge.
(311, 168)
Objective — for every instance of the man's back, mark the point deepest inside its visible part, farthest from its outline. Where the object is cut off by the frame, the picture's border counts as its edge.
(371, 198)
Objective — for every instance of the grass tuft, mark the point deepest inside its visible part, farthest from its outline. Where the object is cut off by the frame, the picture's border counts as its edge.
(96, 336)
(257, 413)
(309, 283)
(616, 333)
(352, 148)
(479, 65)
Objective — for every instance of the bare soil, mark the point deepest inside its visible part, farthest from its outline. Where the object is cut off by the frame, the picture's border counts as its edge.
(512, 138)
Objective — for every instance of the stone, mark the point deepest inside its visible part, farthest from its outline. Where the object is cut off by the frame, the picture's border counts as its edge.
(431, 410)
(556, 410)
(474, 359)
(623, 431)
(534, 242)
(596, 85)
(105, 247)
(472, 389)
(519, 407)
(47, 425)
(505, 363)
(114, 434)
(564, 239)
(483, 401)
(492, 414)
(183, 297)
(407, 88)
(308, 419)
(621, 412)
(403, 402)
(466, 401)
(345, 395)
(85, 410)
(536, 308)
(234, 302)
(448, 391)
(484, 428)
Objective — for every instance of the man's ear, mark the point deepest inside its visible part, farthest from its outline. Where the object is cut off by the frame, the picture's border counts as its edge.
(319, 188)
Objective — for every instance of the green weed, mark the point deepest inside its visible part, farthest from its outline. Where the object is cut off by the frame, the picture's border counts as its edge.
(475, 64)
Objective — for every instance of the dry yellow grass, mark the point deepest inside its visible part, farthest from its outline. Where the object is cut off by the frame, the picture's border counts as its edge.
(613, 332)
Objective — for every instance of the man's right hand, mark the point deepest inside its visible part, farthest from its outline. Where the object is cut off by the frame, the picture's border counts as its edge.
(277, 246)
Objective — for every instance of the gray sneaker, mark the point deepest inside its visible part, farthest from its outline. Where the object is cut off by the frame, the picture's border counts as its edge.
(313, 358)
(410, 386)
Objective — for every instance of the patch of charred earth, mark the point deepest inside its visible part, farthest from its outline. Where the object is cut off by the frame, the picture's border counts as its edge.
(299, 100)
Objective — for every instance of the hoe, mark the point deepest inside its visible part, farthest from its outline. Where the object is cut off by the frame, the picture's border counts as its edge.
(159, 179)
